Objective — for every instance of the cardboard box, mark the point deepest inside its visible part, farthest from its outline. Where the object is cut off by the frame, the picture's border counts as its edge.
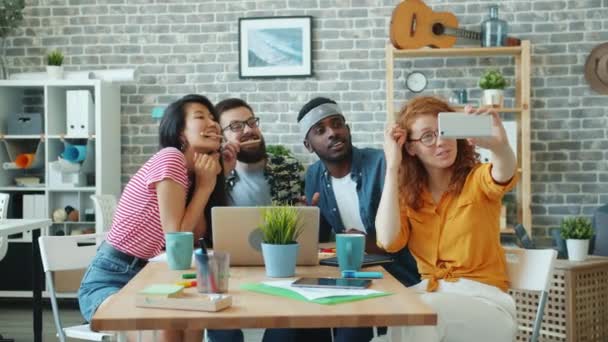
(67, 281)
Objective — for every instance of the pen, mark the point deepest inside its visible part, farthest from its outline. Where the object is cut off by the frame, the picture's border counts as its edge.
(210, 276)
(364, 275)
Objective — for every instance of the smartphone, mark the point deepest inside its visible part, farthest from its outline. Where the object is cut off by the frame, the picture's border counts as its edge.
(336, 283)
(455, 125)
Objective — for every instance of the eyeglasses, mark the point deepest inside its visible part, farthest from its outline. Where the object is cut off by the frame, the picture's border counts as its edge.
(428, 139)
(239, 126)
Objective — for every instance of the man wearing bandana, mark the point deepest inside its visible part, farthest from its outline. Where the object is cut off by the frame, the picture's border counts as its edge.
(356, 177)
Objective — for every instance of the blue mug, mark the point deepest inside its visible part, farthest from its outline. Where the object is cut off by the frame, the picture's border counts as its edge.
(350, 249)
(179, 247)
(75, 153)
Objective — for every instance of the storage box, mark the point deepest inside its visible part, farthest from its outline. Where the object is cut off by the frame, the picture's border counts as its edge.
(577, 307)
(67, 281)
(58, 179)
(24, 124)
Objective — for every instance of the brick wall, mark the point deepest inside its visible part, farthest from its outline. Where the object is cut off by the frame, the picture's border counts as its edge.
(181, 47)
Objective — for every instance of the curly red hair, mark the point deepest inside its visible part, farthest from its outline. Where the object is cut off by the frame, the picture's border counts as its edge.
(412, 174)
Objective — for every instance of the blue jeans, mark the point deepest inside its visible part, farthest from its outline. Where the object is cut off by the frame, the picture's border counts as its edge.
(109, 271)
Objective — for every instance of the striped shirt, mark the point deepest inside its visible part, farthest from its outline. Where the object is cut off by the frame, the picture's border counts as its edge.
(136, 228)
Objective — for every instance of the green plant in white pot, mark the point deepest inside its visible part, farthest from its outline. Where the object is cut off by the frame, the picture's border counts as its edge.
(493, 84)
(280, 231)
(577, 231)
(54, 68)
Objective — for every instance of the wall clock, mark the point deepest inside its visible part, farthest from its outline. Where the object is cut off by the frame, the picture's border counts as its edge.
(416, 82)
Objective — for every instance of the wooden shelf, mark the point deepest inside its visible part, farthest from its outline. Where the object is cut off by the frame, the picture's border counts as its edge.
(82, 188)
(465, 52)
(63, 136)
(22, 188)
(22, 137)
(499, 110)
(521, 106)
(507, 230)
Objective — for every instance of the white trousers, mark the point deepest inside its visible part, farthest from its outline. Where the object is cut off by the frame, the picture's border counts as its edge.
(467, 311)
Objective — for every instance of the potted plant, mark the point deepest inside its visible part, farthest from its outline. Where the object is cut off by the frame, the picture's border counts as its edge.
(493, 84)
(54, 69)
(577, 231)
(11, 14)
(280, 231)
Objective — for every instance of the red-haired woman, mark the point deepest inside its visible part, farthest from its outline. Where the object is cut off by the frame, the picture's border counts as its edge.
(441, 202)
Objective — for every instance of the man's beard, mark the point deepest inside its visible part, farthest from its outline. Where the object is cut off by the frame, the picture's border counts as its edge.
(253, 156)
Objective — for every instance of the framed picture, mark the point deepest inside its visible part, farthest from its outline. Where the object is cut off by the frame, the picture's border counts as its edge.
(275, 47)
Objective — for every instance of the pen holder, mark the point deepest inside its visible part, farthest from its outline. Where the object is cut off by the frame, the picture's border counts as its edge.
(212, 271)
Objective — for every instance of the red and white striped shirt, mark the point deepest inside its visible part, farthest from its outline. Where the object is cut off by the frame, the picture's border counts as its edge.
(136, 228)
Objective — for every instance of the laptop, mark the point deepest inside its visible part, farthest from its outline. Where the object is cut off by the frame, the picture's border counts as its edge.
(235, 230)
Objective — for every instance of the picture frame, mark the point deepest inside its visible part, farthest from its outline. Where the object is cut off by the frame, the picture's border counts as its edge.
(275, 47)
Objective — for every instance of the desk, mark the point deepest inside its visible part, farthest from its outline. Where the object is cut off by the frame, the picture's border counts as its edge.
(256, 310)
(14, 226)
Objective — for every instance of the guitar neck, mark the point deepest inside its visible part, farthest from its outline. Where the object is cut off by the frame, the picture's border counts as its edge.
(462, 33)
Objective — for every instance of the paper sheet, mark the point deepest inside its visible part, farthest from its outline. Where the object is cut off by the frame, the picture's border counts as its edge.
(311, 293)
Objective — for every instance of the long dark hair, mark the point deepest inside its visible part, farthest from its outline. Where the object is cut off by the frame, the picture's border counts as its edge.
(170, 135)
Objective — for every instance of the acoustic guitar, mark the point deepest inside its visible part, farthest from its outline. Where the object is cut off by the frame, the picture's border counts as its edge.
(415, 25)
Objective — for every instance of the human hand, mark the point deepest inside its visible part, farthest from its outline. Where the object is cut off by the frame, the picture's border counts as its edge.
(394, 140)
(313, 202)
(206, 169)
(229, 153)
(353, 231)
(499, 136)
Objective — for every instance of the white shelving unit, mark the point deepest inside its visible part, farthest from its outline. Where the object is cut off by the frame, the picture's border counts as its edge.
(101, 167)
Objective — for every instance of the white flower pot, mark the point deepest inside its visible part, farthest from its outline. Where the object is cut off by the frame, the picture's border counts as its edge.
(493, 98)
(577, 249)
(54, 72)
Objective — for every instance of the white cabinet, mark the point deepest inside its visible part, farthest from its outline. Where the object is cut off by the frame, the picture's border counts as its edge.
(93, 149)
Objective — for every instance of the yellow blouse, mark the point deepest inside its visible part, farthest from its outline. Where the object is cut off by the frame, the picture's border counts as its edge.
(460, 236)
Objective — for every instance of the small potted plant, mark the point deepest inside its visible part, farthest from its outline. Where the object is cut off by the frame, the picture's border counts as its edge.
(577, 231)
(54, 67)
(280, 231)
(493, 84)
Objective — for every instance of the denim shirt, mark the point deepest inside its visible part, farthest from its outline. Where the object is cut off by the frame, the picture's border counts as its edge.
(367, 171)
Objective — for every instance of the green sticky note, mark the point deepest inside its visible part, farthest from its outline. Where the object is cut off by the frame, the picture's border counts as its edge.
(162, 290)
(277, 291)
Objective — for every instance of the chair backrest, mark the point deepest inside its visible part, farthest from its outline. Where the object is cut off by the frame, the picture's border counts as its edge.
(530, 269)
(4, 198)
(105, 205)
(61, 253)
(72, 252)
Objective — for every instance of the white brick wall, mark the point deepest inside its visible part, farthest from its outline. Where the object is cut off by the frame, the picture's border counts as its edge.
(180, 47)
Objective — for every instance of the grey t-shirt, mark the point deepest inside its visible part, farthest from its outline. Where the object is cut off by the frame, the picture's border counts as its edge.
(252, 188)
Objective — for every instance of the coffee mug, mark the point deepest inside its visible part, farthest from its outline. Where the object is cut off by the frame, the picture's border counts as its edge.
(350, 249)
(179, 248)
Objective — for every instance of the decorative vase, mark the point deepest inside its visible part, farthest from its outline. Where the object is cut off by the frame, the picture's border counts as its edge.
(280, 260)
(54, 72)
(493, 30)
(3, 64)
(493, 98)
(578, 250)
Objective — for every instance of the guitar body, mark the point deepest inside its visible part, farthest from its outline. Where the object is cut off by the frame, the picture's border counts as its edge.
(412, 25)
